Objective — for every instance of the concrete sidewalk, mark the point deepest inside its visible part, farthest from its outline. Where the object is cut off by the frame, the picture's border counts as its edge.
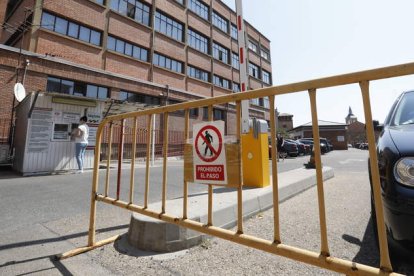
(154, 235)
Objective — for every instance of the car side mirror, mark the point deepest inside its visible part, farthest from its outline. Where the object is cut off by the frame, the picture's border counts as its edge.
(377, 125)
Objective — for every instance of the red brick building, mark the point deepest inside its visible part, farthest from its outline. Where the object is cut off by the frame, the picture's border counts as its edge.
(149, 51)
(334, 132)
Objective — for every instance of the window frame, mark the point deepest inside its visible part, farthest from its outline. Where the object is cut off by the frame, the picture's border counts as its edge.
(65, 31)
(220, 22)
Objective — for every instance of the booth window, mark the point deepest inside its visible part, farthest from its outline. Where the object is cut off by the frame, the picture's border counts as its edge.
(76, 88)
(60, 132)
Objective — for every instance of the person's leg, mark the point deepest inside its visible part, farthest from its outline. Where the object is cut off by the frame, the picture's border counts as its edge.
(78, 155)
(82, 155)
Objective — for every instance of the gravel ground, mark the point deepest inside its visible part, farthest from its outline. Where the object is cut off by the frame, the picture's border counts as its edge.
(349, 233)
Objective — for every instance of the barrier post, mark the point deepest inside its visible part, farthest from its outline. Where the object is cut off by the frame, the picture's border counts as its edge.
(319, 178)
(385, 263)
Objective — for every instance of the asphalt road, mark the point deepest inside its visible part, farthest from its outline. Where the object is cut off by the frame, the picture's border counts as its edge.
(45, 215)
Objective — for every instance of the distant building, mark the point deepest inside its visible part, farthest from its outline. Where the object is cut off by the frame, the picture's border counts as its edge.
(350, 118)
(356, 130)
(285, 121)
(335, 132)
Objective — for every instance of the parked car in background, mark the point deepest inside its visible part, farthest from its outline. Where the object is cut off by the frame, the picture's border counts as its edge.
(326, 143)
(291, 148)
(324, 146)
(288, 149)
(395, 149)
(301, 147)
(308, 143)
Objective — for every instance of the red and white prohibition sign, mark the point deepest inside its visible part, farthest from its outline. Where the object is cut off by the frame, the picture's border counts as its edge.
(209, 154)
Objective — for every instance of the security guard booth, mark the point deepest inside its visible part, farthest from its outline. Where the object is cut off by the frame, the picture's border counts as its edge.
(44, 122)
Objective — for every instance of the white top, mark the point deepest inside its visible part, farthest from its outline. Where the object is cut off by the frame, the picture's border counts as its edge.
(84, 134)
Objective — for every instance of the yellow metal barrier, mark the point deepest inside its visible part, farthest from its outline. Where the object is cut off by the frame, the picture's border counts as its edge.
(321, 259)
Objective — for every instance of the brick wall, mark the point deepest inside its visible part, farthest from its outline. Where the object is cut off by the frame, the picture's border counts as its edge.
(125, 65)
(17, 18)
(129, 30)
(86, 12)
(69, 49)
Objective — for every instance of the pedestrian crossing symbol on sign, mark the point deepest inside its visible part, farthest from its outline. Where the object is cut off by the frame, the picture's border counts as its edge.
(209, 154)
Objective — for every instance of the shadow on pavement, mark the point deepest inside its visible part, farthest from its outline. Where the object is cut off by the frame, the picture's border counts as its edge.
(369, 253)
(57, 265)
(61, 238)
(6, 172)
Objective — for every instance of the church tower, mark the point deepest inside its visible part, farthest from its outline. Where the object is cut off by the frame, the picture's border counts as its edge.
(351, 118)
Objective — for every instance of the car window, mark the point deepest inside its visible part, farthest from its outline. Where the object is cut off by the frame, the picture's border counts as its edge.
(404, 114)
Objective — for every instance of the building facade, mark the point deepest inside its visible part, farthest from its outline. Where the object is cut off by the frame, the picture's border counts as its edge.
(336, 133)
(150, 51)
(284, 122)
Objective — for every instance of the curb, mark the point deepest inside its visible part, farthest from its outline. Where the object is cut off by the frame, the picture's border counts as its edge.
(155, 235)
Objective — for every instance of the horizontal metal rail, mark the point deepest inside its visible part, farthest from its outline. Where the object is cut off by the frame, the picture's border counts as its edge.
(275, 246)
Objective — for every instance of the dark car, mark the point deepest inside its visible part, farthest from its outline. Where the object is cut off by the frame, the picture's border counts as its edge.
(289, 148)
(307, 142)
(326, 143)
(324, 147)
(395, 149)
(302, 148)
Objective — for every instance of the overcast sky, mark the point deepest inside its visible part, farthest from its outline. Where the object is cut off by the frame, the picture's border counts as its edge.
(319, 38)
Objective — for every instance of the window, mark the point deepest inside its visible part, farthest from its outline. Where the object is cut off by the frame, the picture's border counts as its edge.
(73, 30)
(126, 48)
(168, 26)
(194, 112)
(220, 53)
(265, 54)
(219, 114)
(65, 27)
(177, 112)
(222, 82)
(199, 8)
(61, 26)
(253, 46)
(266, 77)
(266, 103)
(234, 32)
(180, 2)
(220, 22)
(102, 2)
(235, 62)
(76, 88)
(136, 10)
(205, 113)
(139, 98)
(253, 70)
(168, 63)
(198, 41)
(254, 101)
(198, 73)
(236, 87)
